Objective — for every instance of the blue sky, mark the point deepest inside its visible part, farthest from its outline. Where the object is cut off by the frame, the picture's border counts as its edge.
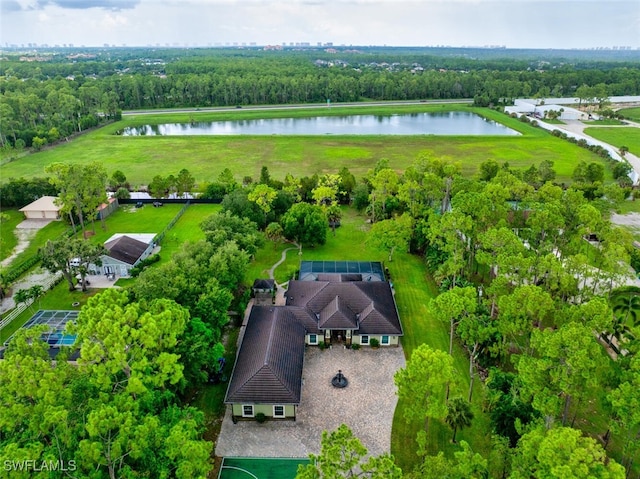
(513, 23)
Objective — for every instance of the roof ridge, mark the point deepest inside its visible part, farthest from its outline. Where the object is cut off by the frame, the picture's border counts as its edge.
(267, 353)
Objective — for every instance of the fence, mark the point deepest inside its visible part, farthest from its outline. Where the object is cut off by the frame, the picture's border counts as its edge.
(168, 201)
(17, 311)
(158, 239)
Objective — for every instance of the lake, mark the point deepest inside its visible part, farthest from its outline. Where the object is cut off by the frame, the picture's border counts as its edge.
(444, 123)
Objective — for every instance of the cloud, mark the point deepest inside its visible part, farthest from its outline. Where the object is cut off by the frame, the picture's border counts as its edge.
(8, 6)
(85, 4)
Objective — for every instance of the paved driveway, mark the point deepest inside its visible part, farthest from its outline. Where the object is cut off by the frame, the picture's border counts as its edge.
(366, 405)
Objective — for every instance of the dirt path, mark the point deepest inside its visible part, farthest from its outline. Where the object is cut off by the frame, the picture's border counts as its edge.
(24, 238)
(38, 277)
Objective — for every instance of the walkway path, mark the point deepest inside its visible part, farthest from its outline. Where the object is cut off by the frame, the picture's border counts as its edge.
(283, 257)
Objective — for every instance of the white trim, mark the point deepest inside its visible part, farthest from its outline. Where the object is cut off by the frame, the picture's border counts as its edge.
(279, 415)
(362, 339)
(252, 410)
(311, 341)
(382, 342)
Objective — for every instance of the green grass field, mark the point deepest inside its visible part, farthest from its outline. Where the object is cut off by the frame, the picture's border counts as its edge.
(8, 238)
(141, 158)
(129, 219)
(259, 468)
(623, 136)
(632, 114)
(186, 229)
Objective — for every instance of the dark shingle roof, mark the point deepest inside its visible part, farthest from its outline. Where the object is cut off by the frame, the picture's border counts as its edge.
(371, 303)
(126, 249)
(264, 284)
(268, 368)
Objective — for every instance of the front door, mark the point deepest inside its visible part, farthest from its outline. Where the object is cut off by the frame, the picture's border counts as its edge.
(338, 336)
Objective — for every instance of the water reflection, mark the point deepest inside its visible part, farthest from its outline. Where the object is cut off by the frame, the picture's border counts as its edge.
(444, 123)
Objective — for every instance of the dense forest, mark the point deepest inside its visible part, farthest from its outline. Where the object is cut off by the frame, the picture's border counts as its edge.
(51, 95)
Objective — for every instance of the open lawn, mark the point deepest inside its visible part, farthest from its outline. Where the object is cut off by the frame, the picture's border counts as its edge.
(8, 238)
(631, 113)
(141, 158)
(186, 229)
(414, 289)
(129, 219)
(623, 136)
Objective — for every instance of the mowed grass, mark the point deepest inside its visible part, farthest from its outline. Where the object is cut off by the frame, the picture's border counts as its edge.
(129, 219)
(8, 238)
(141, 158)
(414, 289)
(632, 114)
(619, 136)
(187, 228)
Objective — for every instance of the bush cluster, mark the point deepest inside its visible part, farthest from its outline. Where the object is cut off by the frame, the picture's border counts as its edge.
(136, 270)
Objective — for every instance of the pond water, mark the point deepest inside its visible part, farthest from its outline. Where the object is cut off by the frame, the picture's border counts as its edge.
(445, 123)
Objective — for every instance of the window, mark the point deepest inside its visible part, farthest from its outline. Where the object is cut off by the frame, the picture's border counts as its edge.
(278, 411)
(364, 339)
(247, 410)
(384, 340)
(313, 339)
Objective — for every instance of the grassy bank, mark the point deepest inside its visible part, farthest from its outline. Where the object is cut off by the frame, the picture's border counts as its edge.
(8, 238)
(623, 136)
(141, 158)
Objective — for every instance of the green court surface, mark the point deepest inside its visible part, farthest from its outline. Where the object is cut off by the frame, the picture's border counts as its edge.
(259, 468)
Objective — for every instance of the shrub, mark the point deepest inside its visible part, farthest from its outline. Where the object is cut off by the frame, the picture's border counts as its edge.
(261, 418)
(374, 343)
(355, 347)
(123, 194)
(322, 345)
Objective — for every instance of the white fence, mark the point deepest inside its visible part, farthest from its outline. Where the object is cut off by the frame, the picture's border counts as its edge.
(15, 312)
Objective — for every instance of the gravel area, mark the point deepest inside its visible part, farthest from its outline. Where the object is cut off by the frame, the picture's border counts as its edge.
(629, 219)
(366, 405)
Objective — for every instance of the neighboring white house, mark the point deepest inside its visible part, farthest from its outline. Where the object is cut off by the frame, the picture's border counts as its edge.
(124, 252)
(42, 209)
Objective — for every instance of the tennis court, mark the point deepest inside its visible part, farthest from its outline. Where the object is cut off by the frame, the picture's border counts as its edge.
(259, 468)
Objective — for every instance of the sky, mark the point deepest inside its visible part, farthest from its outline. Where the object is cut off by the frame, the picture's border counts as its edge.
(512, 23)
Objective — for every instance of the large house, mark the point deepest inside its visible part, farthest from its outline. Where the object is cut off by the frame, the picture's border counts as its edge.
(352, 304)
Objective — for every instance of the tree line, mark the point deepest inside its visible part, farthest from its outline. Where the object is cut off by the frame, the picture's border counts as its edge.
(43, 102)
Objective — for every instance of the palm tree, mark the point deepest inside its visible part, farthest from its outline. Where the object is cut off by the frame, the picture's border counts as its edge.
(459, 415)
(334, 215)
(627, 306)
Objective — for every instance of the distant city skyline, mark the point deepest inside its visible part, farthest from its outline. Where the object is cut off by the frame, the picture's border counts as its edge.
(558, 24)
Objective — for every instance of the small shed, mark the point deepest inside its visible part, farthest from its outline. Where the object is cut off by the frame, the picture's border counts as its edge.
(44, 208)
(264, 291)
(105, 209)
